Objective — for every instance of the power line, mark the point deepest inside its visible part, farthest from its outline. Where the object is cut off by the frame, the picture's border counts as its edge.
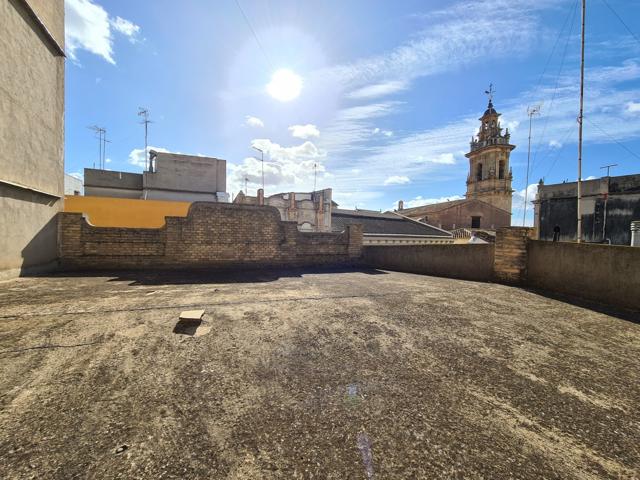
(553, 50)
(621, 21)
(255, 35)
(555, 88)
(613, 139)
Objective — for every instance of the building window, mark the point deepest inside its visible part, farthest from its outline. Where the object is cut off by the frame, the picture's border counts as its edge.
(479, 172)
(501, 169)
(475, 222)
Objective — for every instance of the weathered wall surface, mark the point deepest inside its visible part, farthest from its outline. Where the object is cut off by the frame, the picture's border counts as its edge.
(608, 206)
(466, 262)
(31, 133)
(31, 103)
(52, 16)
(28, 231)
(185, 175)
(124, 212)
(603, 273)
(213, 235)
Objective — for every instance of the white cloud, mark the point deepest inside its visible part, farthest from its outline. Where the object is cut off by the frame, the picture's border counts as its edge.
(379, 89)
(287, 168)
(591, 177)
(304, 131)
(88, 27)
(397, 180)
(253, 122)
(419, 201)
(127, 28)
(450, 43)
(555, 144)
(379, 131)
(137, 157)
(513, 125)
(518, 199)
(107, 160)
(633, 107)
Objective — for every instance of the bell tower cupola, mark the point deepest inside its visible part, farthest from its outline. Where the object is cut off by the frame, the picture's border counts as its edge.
(490, 175)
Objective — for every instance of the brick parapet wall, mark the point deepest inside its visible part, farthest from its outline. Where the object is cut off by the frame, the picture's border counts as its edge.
(212, 235)
(510, 256)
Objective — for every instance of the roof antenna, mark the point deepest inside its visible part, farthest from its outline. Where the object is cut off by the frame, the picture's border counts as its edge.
(144, 113)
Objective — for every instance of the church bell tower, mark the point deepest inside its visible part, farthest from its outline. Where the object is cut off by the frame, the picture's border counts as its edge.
(490, 176)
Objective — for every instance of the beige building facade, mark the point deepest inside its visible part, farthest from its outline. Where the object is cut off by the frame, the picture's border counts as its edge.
(31, 133)
(310, 210)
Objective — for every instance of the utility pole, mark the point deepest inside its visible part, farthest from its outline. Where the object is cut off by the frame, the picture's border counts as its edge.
(144, 113)
(608, 167)
(262, 160)
(580, 118)
(531, 111)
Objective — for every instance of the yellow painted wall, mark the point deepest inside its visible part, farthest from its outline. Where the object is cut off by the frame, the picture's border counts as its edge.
(125, 212)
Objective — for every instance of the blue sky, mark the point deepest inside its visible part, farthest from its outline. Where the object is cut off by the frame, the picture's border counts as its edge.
(390, 91)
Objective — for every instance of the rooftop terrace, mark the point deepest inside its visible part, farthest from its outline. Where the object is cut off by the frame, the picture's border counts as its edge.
(316, 374)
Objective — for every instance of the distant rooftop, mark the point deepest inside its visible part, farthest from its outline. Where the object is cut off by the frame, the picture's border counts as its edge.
(382, 223)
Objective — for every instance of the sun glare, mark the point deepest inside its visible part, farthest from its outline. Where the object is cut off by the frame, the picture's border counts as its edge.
(285, 85)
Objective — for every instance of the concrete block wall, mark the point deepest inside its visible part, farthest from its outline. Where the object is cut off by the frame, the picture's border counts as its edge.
(212, 235)
(465, 262)
(603, 273)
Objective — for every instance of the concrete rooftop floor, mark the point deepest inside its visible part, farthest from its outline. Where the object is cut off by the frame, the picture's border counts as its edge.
(329, 375)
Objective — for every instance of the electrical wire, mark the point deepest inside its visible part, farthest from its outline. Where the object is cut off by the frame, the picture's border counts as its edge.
(555, 89)
(553, 50)
(621, 21)
(613, 139)
(255, 35)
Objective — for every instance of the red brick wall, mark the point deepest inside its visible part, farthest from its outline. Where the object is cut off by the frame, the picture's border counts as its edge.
(213, 235)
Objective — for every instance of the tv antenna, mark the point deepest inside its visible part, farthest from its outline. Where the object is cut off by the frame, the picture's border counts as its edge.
(144, 113)
(102, 141)
(608, 167)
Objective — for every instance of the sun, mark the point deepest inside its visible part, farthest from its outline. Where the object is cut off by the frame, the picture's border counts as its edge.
(285, 85)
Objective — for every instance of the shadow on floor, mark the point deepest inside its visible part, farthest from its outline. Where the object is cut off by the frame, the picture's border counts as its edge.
(187, 277)
(621, 313)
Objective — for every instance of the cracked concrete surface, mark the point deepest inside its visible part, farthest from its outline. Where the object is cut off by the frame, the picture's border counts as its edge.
(326, 374)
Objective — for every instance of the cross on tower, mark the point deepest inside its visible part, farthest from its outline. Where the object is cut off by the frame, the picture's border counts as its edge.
(490, 92)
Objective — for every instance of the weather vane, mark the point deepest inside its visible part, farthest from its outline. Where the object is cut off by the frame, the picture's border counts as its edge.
(490, 92)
